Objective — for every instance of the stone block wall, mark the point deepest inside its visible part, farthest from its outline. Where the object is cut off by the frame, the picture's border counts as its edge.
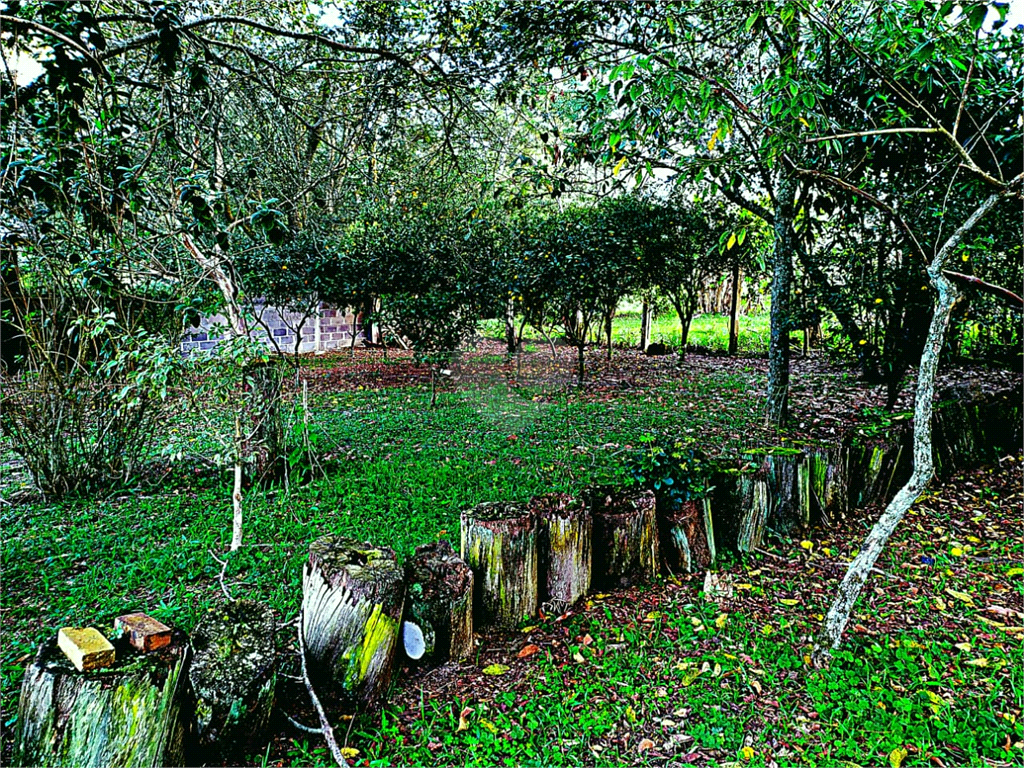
(326, 329)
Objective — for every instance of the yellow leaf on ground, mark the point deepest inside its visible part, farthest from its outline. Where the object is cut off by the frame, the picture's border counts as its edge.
(965, 647)
(807, 544)
(747, 753)
(487, 725)
(721, 620)
(956, 551)
(349, 753)
(496, 669)
(897, 756)
(962, 596)
(528, 630)
(631, 714)
(1015, 572)
(787, 601)
(980, 662)
(744, 586)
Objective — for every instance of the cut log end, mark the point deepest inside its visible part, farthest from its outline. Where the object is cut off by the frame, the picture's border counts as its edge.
(440, 603)
(626, 548)
(566, 548)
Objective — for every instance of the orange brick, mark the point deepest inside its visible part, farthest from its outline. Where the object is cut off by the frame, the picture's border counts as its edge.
(144, 632)
(86, 648)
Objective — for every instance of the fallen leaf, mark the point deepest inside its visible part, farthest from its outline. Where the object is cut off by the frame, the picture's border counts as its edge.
(789, 601)
(496, 669)
(631, 714)
(645, 744)
(528, 650)
(896, 757)
(721, 620)
(487, 725)
(1015, 572)
(979, 662)
(808, 545)
(528, 630)
(349, 753)
(747, 753)
(962, 596)
(578, 657)
(965, 647)
(464, 720)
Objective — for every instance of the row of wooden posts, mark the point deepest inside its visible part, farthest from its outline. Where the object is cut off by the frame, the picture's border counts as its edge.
(209, 697)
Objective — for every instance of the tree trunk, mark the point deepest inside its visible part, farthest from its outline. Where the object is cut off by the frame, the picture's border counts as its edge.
(646, 320)
(782, 278)
(849, 590)
(579, 364)
(625, 537)
(233, 676)
(608, 330)
(131, 715)
(687, 537)
(352, 600)
(13, 343)
(566, 549)
(511, 340)
(440, 602)
(263, 423)
(734, 310)
(769, 496)
(499, 542)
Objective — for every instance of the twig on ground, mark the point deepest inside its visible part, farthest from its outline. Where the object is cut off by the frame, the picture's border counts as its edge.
(300, 726)
(325, 726)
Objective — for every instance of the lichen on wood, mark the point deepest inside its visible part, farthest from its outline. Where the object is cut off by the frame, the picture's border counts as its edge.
(129, 715)
(353, 595)
(440, 602)
(566, 548)
(625, 536)
(499, 542)
(233, 675)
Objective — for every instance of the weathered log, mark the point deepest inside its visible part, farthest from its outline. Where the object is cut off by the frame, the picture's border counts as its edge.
(130, 715)
(768, 495)
(233, 674)
(823, 481)
(877, 468)
(352, 599)
(566, 549)
(440, 603)
(499, 542)
(687, 537)
(625, 536)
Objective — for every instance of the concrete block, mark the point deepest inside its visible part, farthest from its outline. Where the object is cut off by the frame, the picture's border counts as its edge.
(86, 648)
(144, 632)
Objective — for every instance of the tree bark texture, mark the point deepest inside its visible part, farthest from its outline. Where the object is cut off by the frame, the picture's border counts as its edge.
(857, 574)
(769, 495)
(499, 542)
(566, 549)
(440, 602)
(625, 537)
(777, 406)
(233, 674)
(263, 423)
(131, 715)
(877, 467)
(646, 319)
(687, 537)
(734, 310)
(352, 599)
(823, 481)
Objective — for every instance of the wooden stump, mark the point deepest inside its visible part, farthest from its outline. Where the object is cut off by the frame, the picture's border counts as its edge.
(687, 537)
(625, 537)
(566, 549)
(440, 602)
(823, 482)
(130, 715)
(878, 468)
(352, 600)
(499, 542)
(233, 676)
(769, 495)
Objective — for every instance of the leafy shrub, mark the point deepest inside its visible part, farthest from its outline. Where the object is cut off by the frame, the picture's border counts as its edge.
(677, 471)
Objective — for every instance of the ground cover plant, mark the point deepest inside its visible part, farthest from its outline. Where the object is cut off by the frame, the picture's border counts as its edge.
(392, 465)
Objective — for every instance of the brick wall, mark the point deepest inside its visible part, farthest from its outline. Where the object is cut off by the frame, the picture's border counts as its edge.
(328, 328)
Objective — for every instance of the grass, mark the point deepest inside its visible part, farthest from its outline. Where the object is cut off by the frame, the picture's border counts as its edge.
(398, 472)
(706, 331)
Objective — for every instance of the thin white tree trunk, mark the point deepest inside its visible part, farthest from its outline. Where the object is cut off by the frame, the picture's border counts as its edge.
(860, 568)
(236, 494)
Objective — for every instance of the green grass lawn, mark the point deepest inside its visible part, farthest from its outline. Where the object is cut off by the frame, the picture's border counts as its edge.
(397, 472)
(707, 331)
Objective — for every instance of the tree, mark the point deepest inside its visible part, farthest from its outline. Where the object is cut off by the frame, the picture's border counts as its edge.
(942, 78)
